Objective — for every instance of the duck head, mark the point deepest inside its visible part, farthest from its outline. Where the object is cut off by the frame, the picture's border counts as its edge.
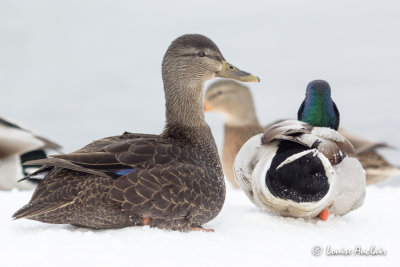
(233, 100)
(195, 57)
(318, 108)
(189, 62)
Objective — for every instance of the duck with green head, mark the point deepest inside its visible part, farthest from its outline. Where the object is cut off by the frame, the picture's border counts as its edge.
(235, 102)
(303, 168)
(318, 108)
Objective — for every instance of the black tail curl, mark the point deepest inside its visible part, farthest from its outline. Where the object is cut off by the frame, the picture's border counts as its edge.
(302, 180)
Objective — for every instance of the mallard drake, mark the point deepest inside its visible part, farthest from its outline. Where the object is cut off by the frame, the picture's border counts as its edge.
(17, 146)
(234, 100)
(303, 168)
(171, 181)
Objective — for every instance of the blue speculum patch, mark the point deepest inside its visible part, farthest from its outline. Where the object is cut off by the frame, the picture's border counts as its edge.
(124, 172)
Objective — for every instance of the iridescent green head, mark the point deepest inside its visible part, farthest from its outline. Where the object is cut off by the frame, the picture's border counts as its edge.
(318, 108)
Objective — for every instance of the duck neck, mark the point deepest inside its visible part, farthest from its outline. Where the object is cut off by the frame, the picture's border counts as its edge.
(184, 103)
(242, 115)
(241, 119)
(319, 111)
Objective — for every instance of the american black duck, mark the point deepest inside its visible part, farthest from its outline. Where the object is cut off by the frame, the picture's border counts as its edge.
(171, 181)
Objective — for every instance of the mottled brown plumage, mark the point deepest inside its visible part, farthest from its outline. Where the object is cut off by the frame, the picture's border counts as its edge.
(376, 166)
(174, 180)
(177, 184)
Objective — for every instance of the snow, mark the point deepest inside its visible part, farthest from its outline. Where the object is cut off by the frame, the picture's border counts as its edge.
(244, 236)
(76, 71)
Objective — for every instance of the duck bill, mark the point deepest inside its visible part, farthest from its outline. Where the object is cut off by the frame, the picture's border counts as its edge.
(231, 72)
(207, 107)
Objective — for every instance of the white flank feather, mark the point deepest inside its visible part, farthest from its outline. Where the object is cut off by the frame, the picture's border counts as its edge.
(11, 172)
(14, 141)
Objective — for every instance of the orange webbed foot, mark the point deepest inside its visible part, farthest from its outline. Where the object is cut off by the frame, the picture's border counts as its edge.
(324, 215)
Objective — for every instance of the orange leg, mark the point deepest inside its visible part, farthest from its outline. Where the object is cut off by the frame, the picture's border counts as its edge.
(147, 221)
(324, 215)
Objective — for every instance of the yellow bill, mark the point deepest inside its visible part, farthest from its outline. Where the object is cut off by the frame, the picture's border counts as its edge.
(231, 72)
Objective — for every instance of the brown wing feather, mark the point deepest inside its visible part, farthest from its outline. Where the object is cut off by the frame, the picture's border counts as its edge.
(141, 152)
(329, 142)
(61, 186)
(99, 145)
(62, 163)
(81, 199)
(362, 144)
(284, 130)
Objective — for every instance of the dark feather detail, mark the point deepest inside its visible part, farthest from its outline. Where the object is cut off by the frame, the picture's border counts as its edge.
(94, 158)
(334, 146)
(9, 124)
(286, 130)
(37, 175)
(61, 163)
(32, 155)
(302, 180)
(130, 176)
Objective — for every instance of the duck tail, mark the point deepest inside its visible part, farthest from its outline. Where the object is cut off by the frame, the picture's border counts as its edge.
(376, 175)
(298, 173)
(37, 176)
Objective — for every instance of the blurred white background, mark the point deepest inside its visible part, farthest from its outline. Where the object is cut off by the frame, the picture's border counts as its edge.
(76, 71)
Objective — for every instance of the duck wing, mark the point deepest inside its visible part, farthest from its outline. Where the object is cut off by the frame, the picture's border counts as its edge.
(125, 152)
(159, 184)
(333, 145)
(289, 130)
(362, 144)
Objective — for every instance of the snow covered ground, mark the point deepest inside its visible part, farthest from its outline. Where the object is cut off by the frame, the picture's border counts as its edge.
(244, 236)
(76, 71)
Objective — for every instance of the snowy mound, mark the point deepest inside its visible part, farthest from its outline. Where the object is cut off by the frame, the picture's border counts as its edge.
(244, 236)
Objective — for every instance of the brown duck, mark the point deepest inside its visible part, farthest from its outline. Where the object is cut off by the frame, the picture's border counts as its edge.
(171, 181)
(234, 100)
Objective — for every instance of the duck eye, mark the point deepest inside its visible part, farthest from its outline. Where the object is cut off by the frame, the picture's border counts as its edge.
(201, 54)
